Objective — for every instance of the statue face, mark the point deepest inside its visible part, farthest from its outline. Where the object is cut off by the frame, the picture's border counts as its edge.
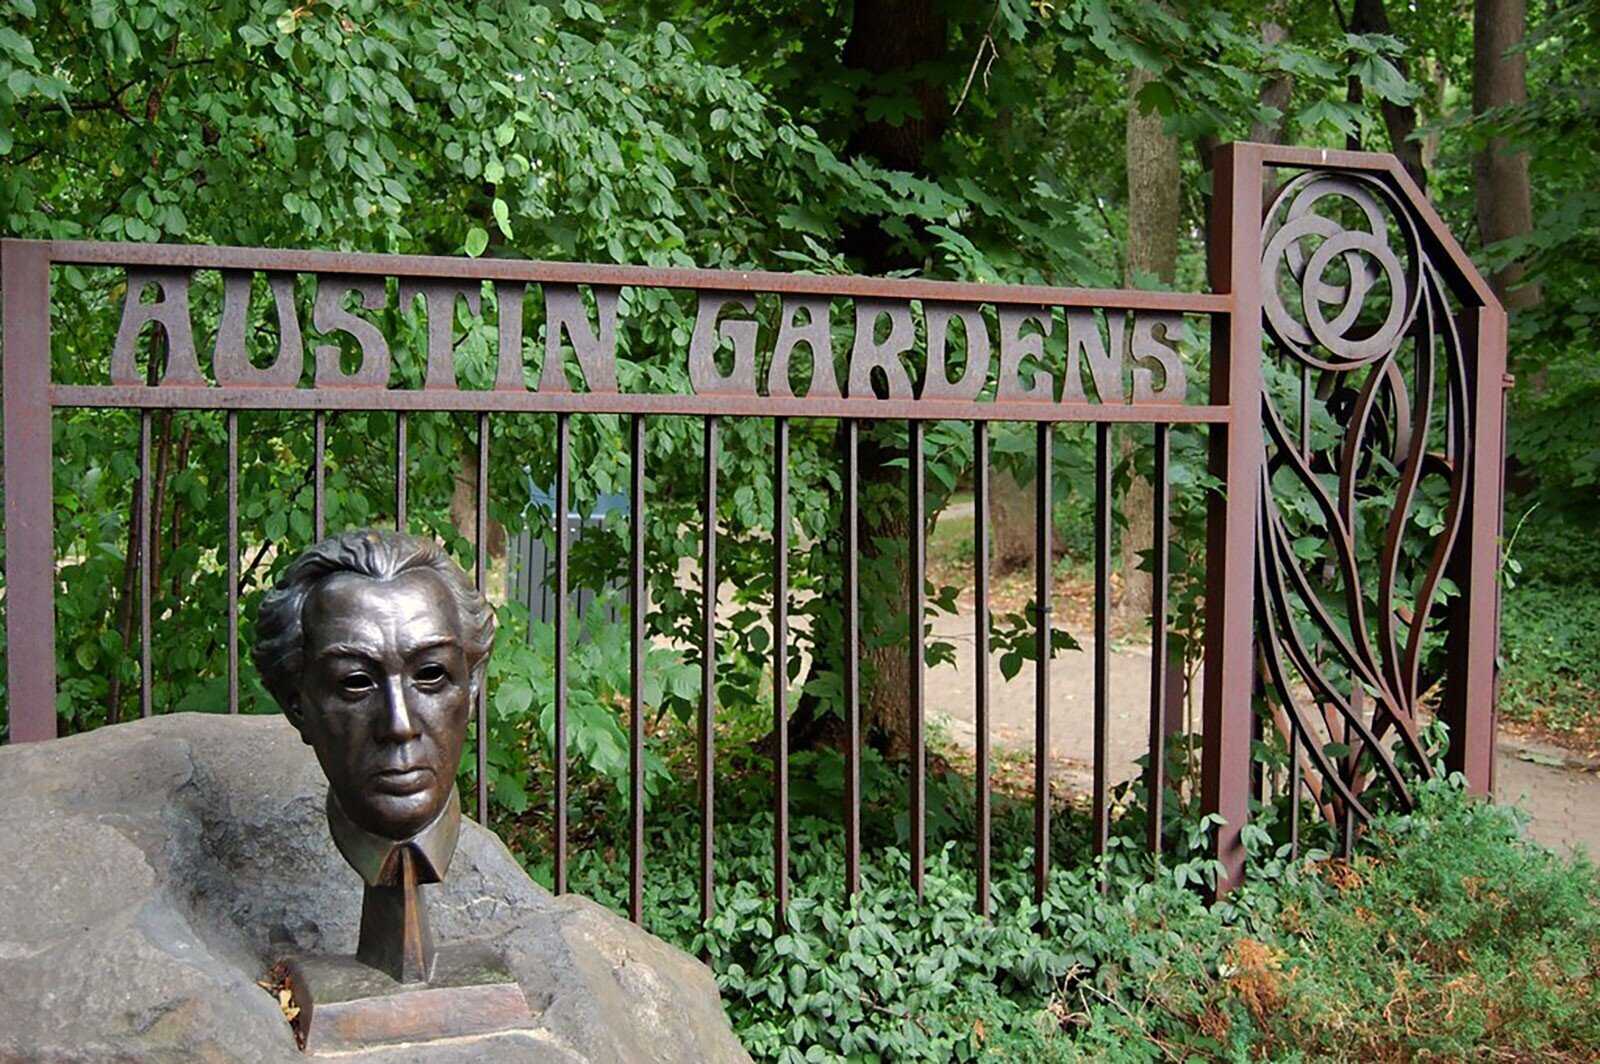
(385, 696)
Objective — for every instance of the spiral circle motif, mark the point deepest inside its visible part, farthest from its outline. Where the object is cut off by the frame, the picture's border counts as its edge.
(1310, 310)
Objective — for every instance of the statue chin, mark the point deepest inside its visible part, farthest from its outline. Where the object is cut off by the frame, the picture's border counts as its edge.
(394, 816)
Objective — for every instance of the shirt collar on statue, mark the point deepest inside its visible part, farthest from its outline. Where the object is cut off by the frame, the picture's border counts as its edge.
(377, 859)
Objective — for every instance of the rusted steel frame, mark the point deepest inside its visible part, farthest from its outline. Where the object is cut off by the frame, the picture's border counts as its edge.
(563, 447)
(400, 464)
(1278, 550)
(1355, 592)
(319, 475)
(780, 671)
(192, 256)
(30, 518)
(1044, 461)
(1406, 668)
(636, 648)
(1452, 260)
(146, 541)
(916, 610)
(1272, 652)
(1102, 634)
(1356, 654)
(852, 659)
(1468, 706)
(1276, 553)
(706, 754)
(1160, 578)
(1273, 604)
(481, 574)
(231, 420)
(1237, 452)
(1294, 733)
(139, 396)
(980, 564)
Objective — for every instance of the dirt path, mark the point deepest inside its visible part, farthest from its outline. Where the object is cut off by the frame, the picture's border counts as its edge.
(1560, 796)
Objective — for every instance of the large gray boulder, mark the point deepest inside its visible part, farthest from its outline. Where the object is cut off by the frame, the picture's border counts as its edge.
(150, 871)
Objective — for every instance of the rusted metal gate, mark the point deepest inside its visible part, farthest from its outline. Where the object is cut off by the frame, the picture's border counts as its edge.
(1328, 265)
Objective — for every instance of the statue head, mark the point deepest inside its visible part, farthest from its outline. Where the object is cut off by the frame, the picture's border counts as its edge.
(375, 643)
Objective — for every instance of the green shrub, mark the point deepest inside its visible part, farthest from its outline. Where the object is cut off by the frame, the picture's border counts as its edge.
(1551, 656)
(1445, 936)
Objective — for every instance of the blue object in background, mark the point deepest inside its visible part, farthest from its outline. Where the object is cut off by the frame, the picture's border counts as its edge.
(533, 563)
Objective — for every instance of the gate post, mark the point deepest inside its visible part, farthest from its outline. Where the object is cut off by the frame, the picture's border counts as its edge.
(30, 507)
(1236, 458)
(1473, 644)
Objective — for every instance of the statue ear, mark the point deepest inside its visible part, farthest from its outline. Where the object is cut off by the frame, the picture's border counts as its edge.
(477, 676)
(292, 710)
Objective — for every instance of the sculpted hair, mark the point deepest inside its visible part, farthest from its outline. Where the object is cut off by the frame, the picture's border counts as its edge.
(380, 555)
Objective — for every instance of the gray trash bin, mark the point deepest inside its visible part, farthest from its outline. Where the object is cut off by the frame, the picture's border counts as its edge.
(533, 564)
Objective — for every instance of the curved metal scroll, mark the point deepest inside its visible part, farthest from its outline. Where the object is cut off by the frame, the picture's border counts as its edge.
(1356, 526)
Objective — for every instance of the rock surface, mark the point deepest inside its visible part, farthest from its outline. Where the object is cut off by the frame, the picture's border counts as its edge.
(150, 871)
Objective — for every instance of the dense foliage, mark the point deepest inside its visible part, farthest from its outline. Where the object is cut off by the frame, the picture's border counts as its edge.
(1446, 935)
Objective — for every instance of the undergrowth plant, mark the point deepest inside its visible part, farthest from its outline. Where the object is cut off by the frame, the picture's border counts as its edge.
(1444, 936)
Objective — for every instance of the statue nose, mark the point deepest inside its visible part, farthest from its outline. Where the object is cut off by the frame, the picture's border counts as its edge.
(397, 725)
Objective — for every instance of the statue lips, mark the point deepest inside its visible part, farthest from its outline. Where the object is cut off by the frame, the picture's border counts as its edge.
(413, 779)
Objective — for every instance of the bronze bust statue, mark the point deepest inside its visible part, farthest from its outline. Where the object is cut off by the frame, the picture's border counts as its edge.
(375, 644)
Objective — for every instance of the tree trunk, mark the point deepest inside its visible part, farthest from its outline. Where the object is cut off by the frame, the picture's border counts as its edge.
(1399, 119)
(1500, 171)
(888, 39)
(1011, 531)
(1153, 222)
(1278, 90)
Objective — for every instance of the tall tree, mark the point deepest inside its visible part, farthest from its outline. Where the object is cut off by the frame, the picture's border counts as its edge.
(1503, 190)
(1399, 114)
(1154, 221)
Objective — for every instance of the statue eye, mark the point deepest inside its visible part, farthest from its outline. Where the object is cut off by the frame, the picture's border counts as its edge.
(356, 684)
(432, 673)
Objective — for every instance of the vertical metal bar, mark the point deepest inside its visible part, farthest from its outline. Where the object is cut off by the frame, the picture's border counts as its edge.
(1358, 707)
(145, 539)
(916, 610)
(1102, 631)
(480, 526)
(319, 475)
(1258, 769)
(1473, 642)
(1043, 497)
(400, 471)
(636, 607)
(980, 562)
(1294, 792)
(852, 661)
(563, 443)
(1160, 577)
(1234, 246)
(780, 669)
(30, 500)
(1305, 412)
(1294, 733)
(708, 668)
(232, 421)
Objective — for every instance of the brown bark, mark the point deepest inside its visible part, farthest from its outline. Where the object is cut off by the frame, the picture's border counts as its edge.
(1154, 220)
(176, 539)
(1278, 90)
(130, 557)
(887, 39)
(464, 506)
(1500, 172)
(1400, 120)
(1011, 532)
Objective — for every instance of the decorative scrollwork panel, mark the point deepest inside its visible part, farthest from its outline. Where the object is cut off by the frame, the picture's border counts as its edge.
(1363, 490)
